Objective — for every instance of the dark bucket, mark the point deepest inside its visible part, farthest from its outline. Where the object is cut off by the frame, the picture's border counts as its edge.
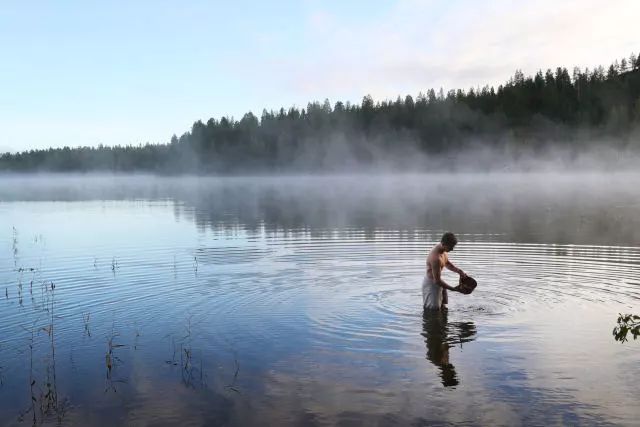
(467, 285)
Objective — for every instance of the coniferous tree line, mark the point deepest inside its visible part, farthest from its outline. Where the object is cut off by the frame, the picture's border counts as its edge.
(558, 106)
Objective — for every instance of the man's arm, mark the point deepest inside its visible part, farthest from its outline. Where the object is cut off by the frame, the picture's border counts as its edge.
(455, 269)
(435, 269)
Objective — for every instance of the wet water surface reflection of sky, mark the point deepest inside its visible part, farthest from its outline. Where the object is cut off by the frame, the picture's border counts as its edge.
(296, 300)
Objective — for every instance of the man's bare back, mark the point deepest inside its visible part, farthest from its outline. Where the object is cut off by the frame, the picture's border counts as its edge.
(437, 260)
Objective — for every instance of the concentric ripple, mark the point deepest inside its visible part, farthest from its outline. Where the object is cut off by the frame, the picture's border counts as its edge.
(346, 289)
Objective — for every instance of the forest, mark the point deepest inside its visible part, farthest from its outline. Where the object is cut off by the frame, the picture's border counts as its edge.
(574, 110)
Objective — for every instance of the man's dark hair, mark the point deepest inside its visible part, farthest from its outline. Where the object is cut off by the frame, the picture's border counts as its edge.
(449, 239)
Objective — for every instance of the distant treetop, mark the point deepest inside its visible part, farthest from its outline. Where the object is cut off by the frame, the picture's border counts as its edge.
(551, 105)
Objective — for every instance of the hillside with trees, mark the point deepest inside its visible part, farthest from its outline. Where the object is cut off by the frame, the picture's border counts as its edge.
(556, 107)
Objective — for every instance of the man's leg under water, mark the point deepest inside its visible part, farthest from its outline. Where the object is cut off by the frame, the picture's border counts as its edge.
(445, 299)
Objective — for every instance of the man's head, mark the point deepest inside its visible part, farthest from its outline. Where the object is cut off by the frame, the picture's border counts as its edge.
(448, 241)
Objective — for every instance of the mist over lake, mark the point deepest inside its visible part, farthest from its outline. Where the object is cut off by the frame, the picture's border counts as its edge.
(296, 299)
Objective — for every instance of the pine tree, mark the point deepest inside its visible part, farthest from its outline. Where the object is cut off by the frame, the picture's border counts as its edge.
(431, 96)
(623, 65)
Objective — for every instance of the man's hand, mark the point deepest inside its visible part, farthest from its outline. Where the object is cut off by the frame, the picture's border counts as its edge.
(462, 274)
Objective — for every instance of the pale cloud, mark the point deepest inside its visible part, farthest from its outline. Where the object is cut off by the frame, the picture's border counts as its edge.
(421, 44)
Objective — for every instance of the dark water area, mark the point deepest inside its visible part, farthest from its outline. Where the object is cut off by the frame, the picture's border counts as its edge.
(136, 300)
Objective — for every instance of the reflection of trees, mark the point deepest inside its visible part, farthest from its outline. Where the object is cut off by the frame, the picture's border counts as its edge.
(516, 208)
(315, 207)
(440, 335)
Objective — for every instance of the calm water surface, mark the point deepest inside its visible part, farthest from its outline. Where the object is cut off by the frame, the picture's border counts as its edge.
(296, 300)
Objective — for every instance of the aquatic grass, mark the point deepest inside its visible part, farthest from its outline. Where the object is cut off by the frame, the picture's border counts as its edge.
(136, 336)
(45, 401)
(112, 361)
(32, 381)
(20, 290)
(191, 370)
(50, 399)
(186, 354)
(1, 372)
(46, 295)
(85, 320)
(232, 385)
(15, 246)
(114, 265)
(173, 361)
(21, 272)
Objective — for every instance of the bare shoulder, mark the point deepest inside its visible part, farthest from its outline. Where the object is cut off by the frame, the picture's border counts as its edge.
(433, 257)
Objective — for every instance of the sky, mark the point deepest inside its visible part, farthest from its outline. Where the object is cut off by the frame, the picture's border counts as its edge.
(113, 72)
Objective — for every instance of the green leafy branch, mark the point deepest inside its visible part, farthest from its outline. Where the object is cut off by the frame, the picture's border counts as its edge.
(627, 324)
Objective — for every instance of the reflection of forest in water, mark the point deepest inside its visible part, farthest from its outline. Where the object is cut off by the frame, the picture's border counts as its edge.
(534, 208)
(440, 335)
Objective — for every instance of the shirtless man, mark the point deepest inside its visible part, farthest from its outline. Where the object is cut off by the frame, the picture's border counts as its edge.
(434, 289)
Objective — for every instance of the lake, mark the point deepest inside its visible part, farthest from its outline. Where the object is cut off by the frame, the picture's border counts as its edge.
(295, 300)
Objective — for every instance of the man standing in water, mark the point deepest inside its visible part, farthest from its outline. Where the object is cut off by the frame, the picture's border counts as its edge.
(434, 289)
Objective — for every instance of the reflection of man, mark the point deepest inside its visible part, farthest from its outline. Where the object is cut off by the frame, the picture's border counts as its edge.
(434, 289)
(440, 336)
